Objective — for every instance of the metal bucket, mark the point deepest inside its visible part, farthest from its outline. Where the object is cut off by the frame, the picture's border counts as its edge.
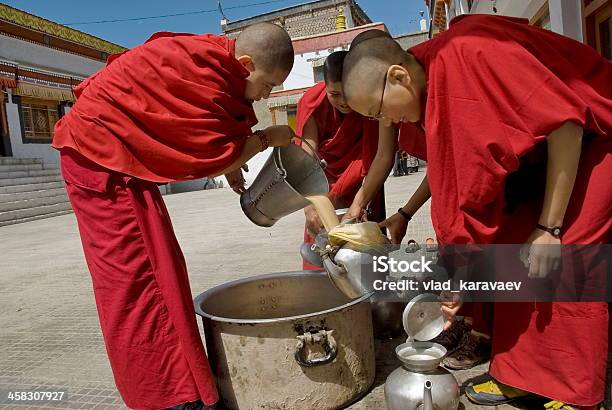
(288, 175)
(287, 341)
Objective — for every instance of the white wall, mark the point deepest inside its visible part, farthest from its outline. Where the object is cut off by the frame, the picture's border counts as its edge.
(565, 15)
(566, 18)
(514, 8)
(302, 74)
(34, 55)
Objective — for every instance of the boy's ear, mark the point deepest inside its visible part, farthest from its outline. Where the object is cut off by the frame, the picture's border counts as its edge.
(396, 74)
(247, 62)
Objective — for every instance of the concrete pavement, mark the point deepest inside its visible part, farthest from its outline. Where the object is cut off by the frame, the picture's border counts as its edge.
(49, 333)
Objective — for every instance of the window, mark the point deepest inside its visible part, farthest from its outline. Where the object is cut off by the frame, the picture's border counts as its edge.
(38, 119)
(597, 20)
(603, 28)
(4, 134)
(291, 116)
(318, 73)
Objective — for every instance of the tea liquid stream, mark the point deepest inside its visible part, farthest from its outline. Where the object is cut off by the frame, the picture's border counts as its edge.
(325, 209)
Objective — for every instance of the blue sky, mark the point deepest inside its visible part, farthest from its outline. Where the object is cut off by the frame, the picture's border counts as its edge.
(401, 16)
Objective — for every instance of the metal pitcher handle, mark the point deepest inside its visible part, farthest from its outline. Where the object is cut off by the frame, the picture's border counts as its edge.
(322, 162)
(324, 336)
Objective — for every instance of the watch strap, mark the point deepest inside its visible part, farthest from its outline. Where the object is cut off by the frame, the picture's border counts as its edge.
(405, 214)
(554, 230)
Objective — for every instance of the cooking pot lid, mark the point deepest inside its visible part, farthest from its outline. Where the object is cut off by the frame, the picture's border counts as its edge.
(423, 319)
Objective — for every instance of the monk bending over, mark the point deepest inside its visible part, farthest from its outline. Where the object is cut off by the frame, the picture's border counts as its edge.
(499, 99)
(178, 107)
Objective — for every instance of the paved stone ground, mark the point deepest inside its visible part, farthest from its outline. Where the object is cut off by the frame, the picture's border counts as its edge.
(49, 334)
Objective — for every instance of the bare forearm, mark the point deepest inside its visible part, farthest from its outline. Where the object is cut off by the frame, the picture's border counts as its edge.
(310, 137)
(420, 196)
(380, 168)
(250, 149)
(564, 147)
(373, 181)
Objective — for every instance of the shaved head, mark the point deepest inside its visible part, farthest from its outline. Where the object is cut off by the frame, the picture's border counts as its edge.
(332, 68)
(365, 69)
(268, 45)
(368, 34)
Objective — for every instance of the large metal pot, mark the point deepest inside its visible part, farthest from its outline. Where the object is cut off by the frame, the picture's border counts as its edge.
(287, 341)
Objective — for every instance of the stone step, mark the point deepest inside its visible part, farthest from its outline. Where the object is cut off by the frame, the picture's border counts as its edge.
(29, 173)
(19, 161)
(33, 203)
(24, 196)
(30, 180)
(34, 218)
(13, 189)
(33, 212)
(20, 167)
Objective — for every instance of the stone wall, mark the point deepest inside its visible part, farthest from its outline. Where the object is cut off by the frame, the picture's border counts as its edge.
(307, 20)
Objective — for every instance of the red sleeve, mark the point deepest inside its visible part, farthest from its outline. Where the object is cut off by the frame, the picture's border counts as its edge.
(308, 104)
(347, 185)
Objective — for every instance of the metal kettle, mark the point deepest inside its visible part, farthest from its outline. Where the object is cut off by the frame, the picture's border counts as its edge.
(345, 265)
(350, 270)
(421, 383)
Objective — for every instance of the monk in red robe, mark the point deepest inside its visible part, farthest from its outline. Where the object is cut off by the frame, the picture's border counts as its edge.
(178, 107)
(494, 96)
(343, 138)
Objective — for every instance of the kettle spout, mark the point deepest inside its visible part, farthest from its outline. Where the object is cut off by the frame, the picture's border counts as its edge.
(427, 399)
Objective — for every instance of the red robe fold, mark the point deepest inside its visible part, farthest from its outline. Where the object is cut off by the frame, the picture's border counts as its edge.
(347, 143)
(141, 287)
(496, 88)
(412, 140)
(180, 115)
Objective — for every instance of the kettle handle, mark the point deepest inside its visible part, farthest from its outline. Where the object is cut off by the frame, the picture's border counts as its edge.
(330, 346)
(321, 161)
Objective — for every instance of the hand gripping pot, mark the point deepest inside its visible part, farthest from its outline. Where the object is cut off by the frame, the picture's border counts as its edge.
(288, 176)
(421, 383)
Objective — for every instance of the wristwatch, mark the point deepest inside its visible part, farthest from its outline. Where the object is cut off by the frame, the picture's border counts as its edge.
(263, 139)
(554, 231)
(406, 215)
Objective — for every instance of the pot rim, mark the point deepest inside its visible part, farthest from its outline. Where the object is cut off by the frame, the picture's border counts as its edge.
(197, 301)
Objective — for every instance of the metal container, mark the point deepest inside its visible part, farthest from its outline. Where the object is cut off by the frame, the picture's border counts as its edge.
(289, 175)
(350, 271)
(287, 341)
(421, 383)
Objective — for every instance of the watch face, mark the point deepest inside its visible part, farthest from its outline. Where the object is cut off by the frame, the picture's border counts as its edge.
(556, 231)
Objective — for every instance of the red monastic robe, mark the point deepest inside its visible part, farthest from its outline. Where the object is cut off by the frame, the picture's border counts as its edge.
(347, 143)
(170, 109)
(497, 88)
(167, 110)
